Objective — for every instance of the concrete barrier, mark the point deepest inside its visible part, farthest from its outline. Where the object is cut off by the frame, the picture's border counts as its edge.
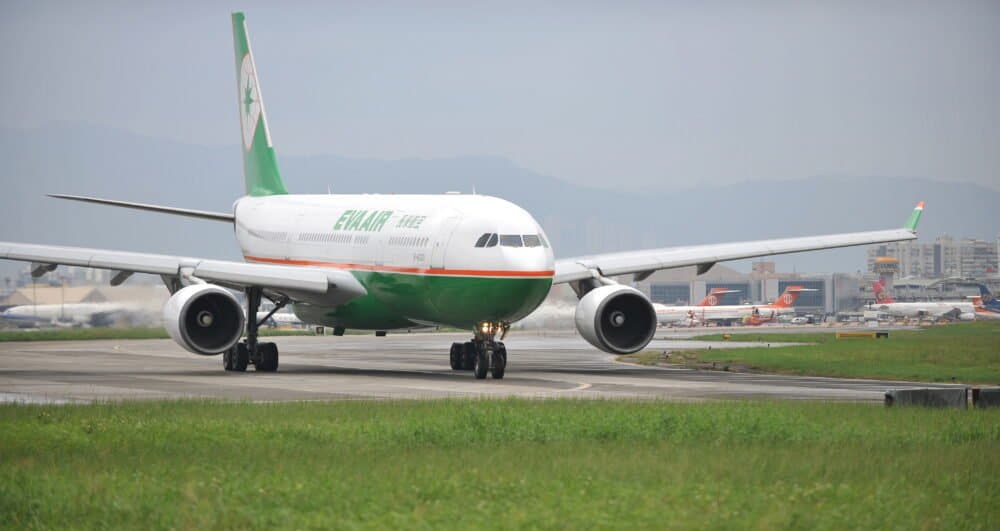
(923, 397)
(986, 397)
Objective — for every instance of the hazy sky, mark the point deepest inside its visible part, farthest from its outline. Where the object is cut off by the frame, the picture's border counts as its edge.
(643, 95)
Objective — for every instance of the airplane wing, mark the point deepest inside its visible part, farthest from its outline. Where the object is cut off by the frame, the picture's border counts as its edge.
(646, 262)
(187, 212)
(335, 286)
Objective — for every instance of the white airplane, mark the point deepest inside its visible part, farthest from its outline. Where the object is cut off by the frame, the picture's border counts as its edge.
(71, 314)
(380, 262)
(750, 314)
(677, 315)
(961, 310)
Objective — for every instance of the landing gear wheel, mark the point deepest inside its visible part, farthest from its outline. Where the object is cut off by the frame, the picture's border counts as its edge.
(268, 353)
(456, 356)
(499, 361)
(236, 358)
(468, 356)
(482, 364)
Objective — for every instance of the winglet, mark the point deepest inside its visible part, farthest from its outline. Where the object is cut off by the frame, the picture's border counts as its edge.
(911, 224)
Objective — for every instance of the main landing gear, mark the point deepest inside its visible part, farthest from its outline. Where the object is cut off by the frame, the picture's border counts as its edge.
(263, 356)
(482, 355)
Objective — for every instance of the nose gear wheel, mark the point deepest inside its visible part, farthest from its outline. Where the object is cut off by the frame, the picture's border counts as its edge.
(484, 355)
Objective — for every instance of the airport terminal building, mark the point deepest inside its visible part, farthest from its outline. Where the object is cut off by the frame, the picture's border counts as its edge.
(834, 292)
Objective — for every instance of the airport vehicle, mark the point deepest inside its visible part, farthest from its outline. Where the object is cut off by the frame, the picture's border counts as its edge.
(960, 310)
(71, 314)
(749, 314)
(381, 262)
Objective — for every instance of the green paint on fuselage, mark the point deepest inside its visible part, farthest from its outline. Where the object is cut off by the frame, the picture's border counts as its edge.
(397, 300)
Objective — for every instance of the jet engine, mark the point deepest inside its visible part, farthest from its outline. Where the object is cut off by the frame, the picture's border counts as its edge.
(967, 316)
(616, 319)
(204, 319)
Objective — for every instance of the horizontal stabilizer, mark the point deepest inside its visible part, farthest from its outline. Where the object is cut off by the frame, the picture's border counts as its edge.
(201, 214)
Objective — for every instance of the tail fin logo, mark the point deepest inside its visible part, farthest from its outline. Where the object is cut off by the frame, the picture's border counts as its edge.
(788, 297)
(249, 101)
(880, 295)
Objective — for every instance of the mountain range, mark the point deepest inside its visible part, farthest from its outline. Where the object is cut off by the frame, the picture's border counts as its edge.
(91, 160)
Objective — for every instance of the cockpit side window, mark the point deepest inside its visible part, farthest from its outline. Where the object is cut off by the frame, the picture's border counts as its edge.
(481, 242)
(544, 243)
(511, 240)
(532, 240)
(493, 241)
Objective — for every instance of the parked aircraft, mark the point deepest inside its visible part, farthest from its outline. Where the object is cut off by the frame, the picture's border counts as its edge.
(987, 307)
(381, 262)
(961, 310)
(72, 314)
(749, 314)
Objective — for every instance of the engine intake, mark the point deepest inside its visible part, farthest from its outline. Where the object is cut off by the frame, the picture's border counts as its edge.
(616, 319)
(204, 319)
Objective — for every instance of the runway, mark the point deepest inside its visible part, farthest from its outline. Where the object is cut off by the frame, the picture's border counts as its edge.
(399, 366)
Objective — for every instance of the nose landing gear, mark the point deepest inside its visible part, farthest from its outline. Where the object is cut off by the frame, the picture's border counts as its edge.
(484, 354)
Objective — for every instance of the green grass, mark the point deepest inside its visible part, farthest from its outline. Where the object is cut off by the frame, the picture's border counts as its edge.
(77, 334)
(498, 464)
(966, 352)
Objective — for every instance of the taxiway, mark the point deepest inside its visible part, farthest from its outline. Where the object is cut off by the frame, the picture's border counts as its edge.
(397, 366)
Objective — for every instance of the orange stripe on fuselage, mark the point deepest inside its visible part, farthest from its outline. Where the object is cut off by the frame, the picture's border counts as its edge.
(412, 270)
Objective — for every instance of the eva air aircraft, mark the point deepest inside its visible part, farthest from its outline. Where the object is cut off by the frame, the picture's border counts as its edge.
(383, 262)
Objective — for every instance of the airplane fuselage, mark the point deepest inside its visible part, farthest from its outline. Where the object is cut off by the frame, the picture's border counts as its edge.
(78, 313)
(924, 309)
(679, 314)
(416, 255)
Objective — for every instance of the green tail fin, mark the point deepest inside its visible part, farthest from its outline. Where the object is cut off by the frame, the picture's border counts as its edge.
(911, 224)
(260, 168)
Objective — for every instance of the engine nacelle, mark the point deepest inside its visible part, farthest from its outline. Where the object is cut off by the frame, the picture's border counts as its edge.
(204, 319)
(616, 319)
(966, 316)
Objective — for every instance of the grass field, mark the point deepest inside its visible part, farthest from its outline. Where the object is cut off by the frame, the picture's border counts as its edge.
(966, 352)
(498, 464)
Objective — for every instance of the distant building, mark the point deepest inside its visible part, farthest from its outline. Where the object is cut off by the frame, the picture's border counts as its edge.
(886, 268)
(946, 257)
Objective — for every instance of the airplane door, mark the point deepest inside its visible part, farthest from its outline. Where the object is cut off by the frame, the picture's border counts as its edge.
(441, 238)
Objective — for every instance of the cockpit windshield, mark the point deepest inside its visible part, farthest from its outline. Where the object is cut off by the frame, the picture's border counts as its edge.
(490, 239)
(510, 240)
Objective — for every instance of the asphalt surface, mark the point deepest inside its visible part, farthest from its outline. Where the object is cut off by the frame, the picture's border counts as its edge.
(396, 366)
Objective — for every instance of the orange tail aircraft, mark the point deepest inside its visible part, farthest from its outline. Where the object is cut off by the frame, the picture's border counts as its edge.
(714, 296)
(880, 294)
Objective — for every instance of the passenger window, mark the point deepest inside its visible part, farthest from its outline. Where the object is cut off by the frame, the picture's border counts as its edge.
(510, 240)
(532, 240)
(493, 241)
(481, 242)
